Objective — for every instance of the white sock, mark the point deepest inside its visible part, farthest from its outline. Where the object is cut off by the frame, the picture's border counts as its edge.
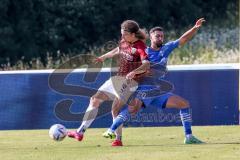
(118, 132)
(188, 136)
(109, 130)
(88, 118)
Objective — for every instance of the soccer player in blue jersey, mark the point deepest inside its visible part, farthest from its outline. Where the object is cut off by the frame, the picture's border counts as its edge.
(159, 53)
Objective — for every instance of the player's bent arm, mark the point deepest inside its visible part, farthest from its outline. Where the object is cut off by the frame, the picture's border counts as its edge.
(141, 69)
(109, 54)
(191, 32)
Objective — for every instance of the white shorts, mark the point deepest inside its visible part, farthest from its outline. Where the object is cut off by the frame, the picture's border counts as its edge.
(119, 87)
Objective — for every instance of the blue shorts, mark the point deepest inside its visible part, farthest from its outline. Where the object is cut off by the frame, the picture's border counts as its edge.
(158, 101)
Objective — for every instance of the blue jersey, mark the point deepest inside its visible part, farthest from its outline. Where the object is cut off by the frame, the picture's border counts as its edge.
(161, 56)
(158, 60)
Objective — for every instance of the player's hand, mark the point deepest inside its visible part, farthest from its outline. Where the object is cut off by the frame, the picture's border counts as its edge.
(99, 60)
(199, 22)
(131, 75)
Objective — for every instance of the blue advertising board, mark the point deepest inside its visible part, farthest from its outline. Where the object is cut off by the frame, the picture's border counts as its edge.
(28, 100)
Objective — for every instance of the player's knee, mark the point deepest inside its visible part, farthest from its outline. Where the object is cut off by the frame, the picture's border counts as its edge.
(115, 113)
(184, 104)
(95, 102)
(132, 109)
(134, 106)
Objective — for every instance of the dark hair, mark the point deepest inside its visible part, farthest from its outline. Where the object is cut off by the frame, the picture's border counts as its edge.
(133, 27)
(156, 29)
(130, 26)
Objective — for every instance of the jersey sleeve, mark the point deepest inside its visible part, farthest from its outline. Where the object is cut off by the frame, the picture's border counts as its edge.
(141, 50)
(170, 46)
(143, 54)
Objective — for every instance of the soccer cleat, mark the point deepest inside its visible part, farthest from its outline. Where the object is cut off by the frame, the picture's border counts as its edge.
(76, 135)
(117, 143)
(192, 140)
(109, 134)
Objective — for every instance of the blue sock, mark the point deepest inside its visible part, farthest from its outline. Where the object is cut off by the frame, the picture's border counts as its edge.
(122, 117)
(186, 120)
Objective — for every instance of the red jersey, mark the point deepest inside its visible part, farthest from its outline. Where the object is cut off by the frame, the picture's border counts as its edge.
(131, 56)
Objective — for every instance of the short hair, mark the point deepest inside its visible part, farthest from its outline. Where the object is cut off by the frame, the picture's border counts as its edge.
(156, 29)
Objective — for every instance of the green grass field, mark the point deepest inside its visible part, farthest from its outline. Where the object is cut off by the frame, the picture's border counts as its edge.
(166, 143)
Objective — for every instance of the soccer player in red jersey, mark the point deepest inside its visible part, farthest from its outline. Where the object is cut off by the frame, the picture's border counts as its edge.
(133, 63)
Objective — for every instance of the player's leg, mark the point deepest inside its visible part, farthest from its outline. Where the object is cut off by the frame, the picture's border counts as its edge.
(90, 115)
(117, 104)
(125, 89)
(92, 110)
(123, 116)
(117, 134)
(105, 92)
(115, 131)
(118, 124)
(185, 115)
(178, 102)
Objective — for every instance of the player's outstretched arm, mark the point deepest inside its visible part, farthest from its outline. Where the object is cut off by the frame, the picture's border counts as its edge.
(109, 54)
(191, 32)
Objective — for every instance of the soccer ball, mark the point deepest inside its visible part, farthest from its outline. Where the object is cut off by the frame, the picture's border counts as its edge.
(57, 132)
